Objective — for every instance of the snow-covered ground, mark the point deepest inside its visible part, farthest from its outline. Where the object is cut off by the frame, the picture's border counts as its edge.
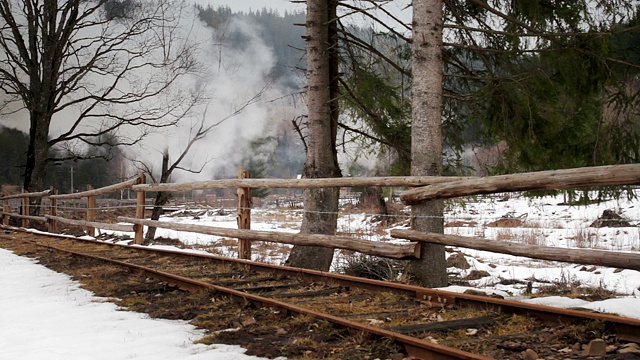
(51, 317)
(46, 315)
(546, 221)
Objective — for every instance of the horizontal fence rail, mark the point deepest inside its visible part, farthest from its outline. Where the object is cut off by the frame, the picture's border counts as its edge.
(614, 259)
(612, 175)
(52, 219)
(392, 181)
(26, 217)
(92, 224)
(27, 195)
(100, 191)
(394, 251)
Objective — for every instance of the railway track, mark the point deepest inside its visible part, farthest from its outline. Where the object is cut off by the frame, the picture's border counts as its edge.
(424, 323)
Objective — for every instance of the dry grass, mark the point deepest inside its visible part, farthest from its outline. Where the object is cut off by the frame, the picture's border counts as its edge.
(529, 237)
(585, 239)
(284, 217)
(533, 237)
(269, 250)
(230, 242)
(506, 223)
(460, 223)
(371, 267)
(571, 287)
(505, 235)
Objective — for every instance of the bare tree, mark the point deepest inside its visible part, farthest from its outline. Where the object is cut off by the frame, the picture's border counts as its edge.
(197, 132)
(320, 205)
(88, 68)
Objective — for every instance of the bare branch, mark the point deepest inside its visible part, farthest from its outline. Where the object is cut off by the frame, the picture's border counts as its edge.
(76, 59)
(378, 21)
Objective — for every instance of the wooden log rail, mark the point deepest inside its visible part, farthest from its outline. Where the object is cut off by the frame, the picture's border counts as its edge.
(429, 188)
(28, 195)
(91, 224)
(100, 191)
(25, 217)
(376, 248)
(612, 175)
(24, 206)
(392, 181)
(613, 259)
(244, 184)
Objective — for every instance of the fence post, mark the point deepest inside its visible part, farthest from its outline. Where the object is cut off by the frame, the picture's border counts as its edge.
(52, 225)
(244, 215)
(6, 209)
(140, 203)
(25, 211)
(91, 211)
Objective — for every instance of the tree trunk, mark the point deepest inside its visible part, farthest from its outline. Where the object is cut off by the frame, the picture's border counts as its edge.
(43, 71)
(161, 196)
(160, 200)
(426, 135)
(37, 153)
(320, 205)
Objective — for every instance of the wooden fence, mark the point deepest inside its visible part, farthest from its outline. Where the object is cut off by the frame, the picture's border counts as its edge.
(50, 217)
(425, 188)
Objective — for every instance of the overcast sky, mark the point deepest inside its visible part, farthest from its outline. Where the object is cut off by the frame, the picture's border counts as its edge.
(246, 5)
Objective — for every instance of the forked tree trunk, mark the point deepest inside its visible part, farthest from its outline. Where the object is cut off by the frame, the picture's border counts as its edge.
(321, 205)
(426, 135)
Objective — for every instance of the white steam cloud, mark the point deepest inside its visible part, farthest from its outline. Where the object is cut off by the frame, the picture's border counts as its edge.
(235, 81)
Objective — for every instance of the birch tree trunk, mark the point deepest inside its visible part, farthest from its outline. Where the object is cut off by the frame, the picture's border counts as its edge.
(320, 205)
(426, 135)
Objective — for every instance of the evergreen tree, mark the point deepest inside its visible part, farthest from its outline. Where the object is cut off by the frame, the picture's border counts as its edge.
(541, 76)
(255, 161)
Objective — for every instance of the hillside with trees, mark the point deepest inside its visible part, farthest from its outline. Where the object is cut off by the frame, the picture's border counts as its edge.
(282, 33)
